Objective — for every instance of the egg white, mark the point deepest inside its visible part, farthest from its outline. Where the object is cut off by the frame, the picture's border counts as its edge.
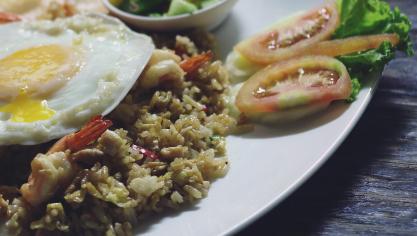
(112, 59)
(38, 9)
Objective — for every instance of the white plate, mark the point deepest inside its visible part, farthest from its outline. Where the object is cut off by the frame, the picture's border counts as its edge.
(270, 163)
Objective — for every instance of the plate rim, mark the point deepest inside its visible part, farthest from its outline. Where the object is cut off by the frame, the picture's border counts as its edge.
(279, 198)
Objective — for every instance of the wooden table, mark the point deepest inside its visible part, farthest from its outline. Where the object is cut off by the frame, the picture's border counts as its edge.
(369, 186)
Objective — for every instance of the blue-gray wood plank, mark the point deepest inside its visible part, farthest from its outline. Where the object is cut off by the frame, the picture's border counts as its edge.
(369, 186)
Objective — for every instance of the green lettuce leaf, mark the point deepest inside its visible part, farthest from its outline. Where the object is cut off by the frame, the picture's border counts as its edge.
(362, 65)
(367, 17)
(356, 88)
(369, 61)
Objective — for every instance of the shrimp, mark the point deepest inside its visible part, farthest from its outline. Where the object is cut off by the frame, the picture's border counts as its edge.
(88, 134)
(163, 66)
(192, 64)
(8, 17)
(53, 171)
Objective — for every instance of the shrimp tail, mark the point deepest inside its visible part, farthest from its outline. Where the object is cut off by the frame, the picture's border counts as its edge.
(88, 134)
(192, 64)
(53, 171)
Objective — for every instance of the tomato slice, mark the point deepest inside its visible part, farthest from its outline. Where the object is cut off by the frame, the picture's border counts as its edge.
(296, 34)
(306, 82)
(350, 45)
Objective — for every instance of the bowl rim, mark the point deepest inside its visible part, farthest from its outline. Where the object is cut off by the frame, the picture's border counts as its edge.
(125, 14)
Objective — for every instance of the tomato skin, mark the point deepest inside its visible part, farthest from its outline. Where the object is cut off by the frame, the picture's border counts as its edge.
(293, 94)
(339, 47)
(287, 116)
(255, 50)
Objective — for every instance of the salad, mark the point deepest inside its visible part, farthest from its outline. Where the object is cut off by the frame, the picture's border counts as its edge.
(304, 63)
(158, 8)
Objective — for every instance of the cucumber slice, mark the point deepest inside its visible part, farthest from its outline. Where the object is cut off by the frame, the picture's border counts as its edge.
(207, 3)
(179, 7)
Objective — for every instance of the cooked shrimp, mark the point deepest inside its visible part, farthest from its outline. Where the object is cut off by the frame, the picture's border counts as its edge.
(163, 66)
(8, 17)
(163, 55)
(88, 134)
(192, 64)
(53, 171)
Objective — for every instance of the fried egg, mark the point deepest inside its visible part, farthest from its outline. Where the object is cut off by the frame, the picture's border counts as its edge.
(56, 75)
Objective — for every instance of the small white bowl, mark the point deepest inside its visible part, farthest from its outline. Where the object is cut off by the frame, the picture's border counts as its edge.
(207, 18)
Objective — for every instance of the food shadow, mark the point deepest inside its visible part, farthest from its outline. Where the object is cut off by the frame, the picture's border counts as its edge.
(305, 124)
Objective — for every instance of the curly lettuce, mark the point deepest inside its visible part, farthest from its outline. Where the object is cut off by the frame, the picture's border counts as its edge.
(369, 17)
(362, 65)
(369, 61)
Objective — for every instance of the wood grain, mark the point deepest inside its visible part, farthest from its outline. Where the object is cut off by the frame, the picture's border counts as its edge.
(369, 186)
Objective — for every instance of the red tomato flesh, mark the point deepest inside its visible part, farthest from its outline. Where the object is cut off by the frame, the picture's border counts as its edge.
(300, 82)
(280, 42)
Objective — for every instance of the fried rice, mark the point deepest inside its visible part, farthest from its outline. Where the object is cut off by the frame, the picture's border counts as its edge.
(166, 146)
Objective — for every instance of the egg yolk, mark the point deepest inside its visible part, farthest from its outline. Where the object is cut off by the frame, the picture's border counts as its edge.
(26, 109)
(40, 70)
